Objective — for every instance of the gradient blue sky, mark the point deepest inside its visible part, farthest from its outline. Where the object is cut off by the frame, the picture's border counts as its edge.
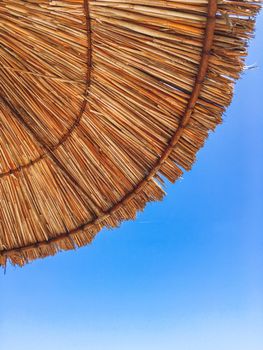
(187, 275)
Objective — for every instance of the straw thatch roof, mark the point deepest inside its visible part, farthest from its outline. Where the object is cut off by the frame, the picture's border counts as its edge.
(98, 100)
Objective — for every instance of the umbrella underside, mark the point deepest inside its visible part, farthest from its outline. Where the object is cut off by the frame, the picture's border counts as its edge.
(99, 102)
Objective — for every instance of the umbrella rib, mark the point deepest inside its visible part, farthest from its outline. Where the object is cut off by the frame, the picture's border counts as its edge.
(202, 71)
(82, 109)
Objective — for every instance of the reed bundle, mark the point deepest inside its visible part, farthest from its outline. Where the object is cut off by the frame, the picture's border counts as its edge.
(99, 101)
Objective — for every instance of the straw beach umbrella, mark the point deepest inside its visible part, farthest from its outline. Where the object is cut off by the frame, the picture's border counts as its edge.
(100, 100)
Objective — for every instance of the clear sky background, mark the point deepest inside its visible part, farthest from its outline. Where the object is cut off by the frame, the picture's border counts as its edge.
(186, 275)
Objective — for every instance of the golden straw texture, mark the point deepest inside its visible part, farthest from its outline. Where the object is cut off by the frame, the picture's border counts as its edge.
(99, 101)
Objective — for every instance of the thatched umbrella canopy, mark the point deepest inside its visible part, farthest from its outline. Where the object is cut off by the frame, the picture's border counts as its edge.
(101, 99)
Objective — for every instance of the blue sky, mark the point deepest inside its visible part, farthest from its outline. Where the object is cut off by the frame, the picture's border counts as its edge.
(186, 275)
